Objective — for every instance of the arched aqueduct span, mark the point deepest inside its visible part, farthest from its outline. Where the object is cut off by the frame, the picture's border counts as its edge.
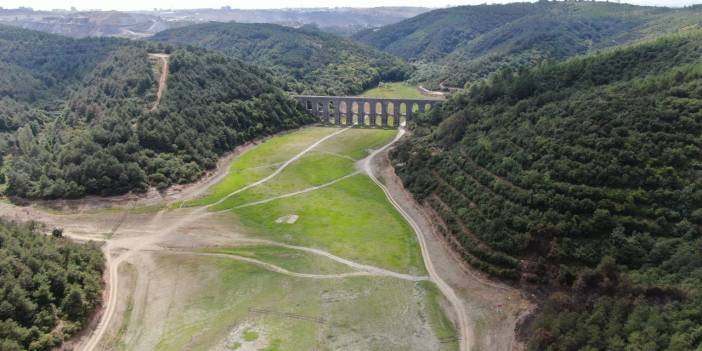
(363, 111)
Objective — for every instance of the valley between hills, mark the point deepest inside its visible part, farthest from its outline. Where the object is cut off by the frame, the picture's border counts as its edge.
(330, 266)
(524, 176)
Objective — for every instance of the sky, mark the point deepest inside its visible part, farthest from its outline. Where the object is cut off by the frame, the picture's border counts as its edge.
(264, 4)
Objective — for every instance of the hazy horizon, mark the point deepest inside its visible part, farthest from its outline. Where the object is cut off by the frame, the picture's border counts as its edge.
(134, 5)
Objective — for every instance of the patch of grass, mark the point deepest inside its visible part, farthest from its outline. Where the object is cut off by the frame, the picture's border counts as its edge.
(290, 259)
(361, 310)
(331, 160)
(312, 170)
(443, 327)
(274, 346)
(250, 335)
(394, 90)
(125, 322)
(261, 161)
(227, 289)
(117, 341)
(351, 219)
(356, 143)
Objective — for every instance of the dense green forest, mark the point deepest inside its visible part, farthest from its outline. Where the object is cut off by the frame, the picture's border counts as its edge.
(462, 44)
(49, 287)
(316, 62)
(581, 181)
(76, 115)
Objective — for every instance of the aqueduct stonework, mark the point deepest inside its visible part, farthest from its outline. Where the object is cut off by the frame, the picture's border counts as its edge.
(363, 111)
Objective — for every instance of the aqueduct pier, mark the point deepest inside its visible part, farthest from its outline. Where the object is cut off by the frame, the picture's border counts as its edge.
(363, 111)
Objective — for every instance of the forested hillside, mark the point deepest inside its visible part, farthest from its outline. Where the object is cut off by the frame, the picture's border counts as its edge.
(49, 287)
(76, 114)
(316, 62)
(461, 44)
(581, 181)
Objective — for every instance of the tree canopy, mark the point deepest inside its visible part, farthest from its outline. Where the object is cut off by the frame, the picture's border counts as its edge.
(314, 62)
(462, 44)
(78, 117)
(581, 179)
(49, 287)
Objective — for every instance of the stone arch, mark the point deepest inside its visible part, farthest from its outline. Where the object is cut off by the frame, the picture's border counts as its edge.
(378, 115)
(386, 113)
(342, 106)
(393, 112)
(404, 108)
(367, 111)
(353, 110)
(330, 108)
(360, 109)
(343, 110)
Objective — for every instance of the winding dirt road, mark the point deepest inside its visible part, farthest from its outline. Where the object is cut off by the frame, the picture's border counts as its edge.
(294, 193)
(113, 263)
(355, 265)
(118, 250)
(465, 332)
(163, 78)
(364, 271)
(279, 169)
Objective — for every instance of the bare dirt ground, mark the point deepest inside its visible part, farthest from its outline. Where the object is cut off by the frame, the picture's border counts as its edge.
(139, 287)
(492, 309)
(162, 79)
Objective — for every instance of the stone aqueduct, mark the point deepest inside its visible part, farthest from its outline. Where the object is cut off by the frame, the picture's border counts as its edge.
(363, 111)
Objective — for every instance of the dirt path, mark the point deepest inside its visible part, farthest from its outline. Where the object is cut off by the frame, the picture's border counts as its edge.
(132, 245)
(464, 330)
(294, 193)
(115, 257)
(136, 244)
(355, 265)
(492, 309)
(369, 272)
(163, 78)
(157, 231)
(279, 169)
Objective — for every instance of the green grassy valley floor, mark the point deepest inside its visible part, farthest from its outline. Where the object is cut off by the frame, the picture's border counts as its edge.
(314, 258)
(394, 90)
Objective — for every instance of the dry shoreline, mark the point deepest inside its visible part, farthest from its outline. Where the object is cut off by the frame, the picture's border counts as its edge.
(152, 196)
(494, 309)
(498, 307)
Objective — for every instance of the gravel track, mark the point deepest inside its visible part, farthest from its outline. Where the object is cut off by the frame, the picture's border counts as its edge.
(466, 338)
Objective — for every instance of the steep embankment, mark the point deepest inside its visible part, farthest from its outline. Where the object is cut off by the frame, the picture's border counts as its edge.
(580, 180)
(315, 62)
(81, 121)
(462, 44)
